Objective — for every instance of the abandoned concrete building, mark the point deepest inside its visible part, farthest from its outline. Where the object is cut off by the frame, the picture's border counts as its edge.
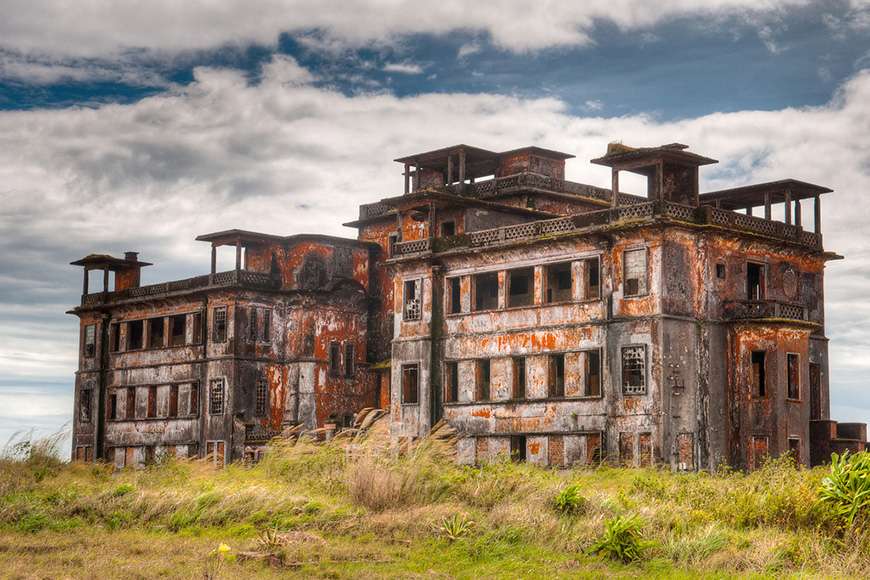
(552, 321)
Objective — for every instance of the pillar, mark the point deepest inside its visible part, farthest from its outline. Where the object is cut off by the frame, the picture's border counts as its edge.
(817, 214)
(407, 175)
(238, 254)
(749, 210)
(416, 176)
(462, 169)
(614, 186)
(767, 206)
(85, 281)
(213, 259)
(105, 279)
(788, 207)
(797, 212)
(449, 169)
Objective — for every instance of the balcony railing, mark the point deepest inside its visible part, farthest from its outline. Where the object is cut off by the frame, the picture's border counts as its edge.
(704, 215)
(763, 309)
(245, 278)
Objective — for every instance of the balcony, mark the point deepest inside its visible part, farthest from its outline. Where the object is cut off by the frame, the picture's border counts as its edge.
(763, 310)
(231, 278)
(624, 214)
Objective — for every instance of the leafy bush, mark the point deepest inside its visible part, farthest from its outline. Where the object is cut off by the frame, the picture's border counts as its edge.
(569, 500)
(123, 489)
(847, 488)
(621, 540)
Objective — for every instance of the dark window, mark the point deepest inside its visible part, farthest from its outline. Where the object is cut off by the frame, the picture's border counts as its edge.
(794, 379)
(754, 281)
(482, 380)
(634, 268)
(720, 271)
(193, 407)
(216, 397)
(558, 283)
(151, 409)
(266, 325)
(518, 448)
(262, 395)
(521, 284)
(448, 229)
(411, 384)
(178, 330)
(115, 336)
(197, 328)
(454, 295)
(634, 370)
(592, 287)
(90, 340)
(334, 359)
(173, 401)
(592, 368)
(392, 240)
(131, 403)
(451, 381)
(486, 291)
(349, 360)
(252, 324)
(85, 405)
(815, 391)
(219, 321)
(155, 333)
(557, 375)
(411, 300)
(113, 405)
(759, 378)
(134, 334)
(519, 378)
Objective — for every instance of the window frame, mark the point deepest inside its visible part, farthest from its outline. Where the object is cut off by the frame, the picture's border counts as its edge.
(555, 388)
(586, 374)
(546, 298)
(640, 292)
(450, 381)
(405, 369)
(162, 326)
(474, 291)
(762, 281)
(261, 397)
(130, 323)
(454, 303)
(629, 390)
(760, 390)
(349, 360)
(588, 294)
(333, 361)
(410, 311)
(508, 281)
(86, 404)
(222, 399)
(789, 356)
(171, 337)
(482, 380)
(220, 324)
(519, 378)
(89, 345)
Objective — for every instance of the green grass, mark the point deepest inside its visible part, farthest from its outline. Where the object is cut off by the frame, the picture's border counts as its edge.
(315, 511)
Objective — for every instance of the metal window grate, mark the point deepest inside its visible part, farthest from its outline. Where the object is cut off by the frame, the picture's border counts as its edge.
(216, 397)
(262, 402)
(634, 370)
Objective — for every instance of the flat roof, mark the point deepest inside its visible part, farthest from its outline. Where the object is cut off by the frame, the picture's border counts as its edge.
(105, 260)
(227, 237)
(619, 154)
(746, 195)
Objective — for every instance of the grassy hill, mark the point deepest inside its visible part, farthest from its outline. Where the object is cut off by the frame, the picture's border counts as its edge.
(318, 510)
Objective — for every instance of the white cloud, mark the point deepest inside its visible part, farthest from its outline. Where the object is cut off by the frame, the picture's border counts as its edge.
(405, 68)
(284, 156)
(467, 50)
(593, 105)
(49, 70)
(95, 28)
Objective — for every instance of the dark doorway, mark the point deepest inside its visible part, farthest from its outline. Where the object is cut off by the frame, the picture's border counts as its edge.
(754, 281)
(815, 391)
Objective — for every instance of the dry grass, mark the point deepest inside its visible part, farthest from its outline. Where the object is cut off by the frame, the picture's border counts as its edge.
(376, 514)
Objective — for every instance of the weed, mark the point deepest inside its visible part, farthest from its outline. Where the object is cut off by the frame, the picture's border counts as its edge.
(569, 501)
(621, 539)
(847, 488)
(455, 527)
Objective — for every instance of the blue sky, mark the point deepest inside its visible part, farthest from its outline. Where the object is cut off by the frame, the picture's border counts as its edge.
(137, 127)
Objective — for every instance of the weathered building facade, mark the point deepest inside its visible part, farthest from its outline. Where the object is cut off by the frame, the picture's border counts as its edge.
(546, 319)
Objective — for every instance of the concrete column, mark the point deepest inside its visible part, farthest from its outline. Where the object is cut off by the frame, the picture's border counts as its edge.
(462, 165)
(238, 254)
(449, 169)
(788, 207)
(213, 259)
(416, 176)
(614, 186)
(797, 213)
(749, 210)
(105, 279)
(85, 281)
(817, 214)
(407, 175)
(767, 206)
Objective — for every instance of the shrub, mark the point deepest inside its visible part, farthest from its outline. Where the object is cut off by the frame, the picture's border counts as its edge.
(847, 488)
(123, 489)
(569, 500)
(621, 539)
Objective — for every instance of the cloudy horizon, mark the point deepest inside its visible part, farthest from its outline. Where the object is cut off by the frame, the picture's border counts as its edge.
(140, 129)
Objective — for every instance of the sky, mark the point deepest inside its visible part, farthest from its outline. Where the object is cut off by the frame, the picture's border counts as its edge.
(137, 126)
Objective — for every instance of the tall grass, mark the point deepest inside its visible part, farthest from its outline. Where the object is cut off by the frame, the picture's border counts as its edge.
(726, 522)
